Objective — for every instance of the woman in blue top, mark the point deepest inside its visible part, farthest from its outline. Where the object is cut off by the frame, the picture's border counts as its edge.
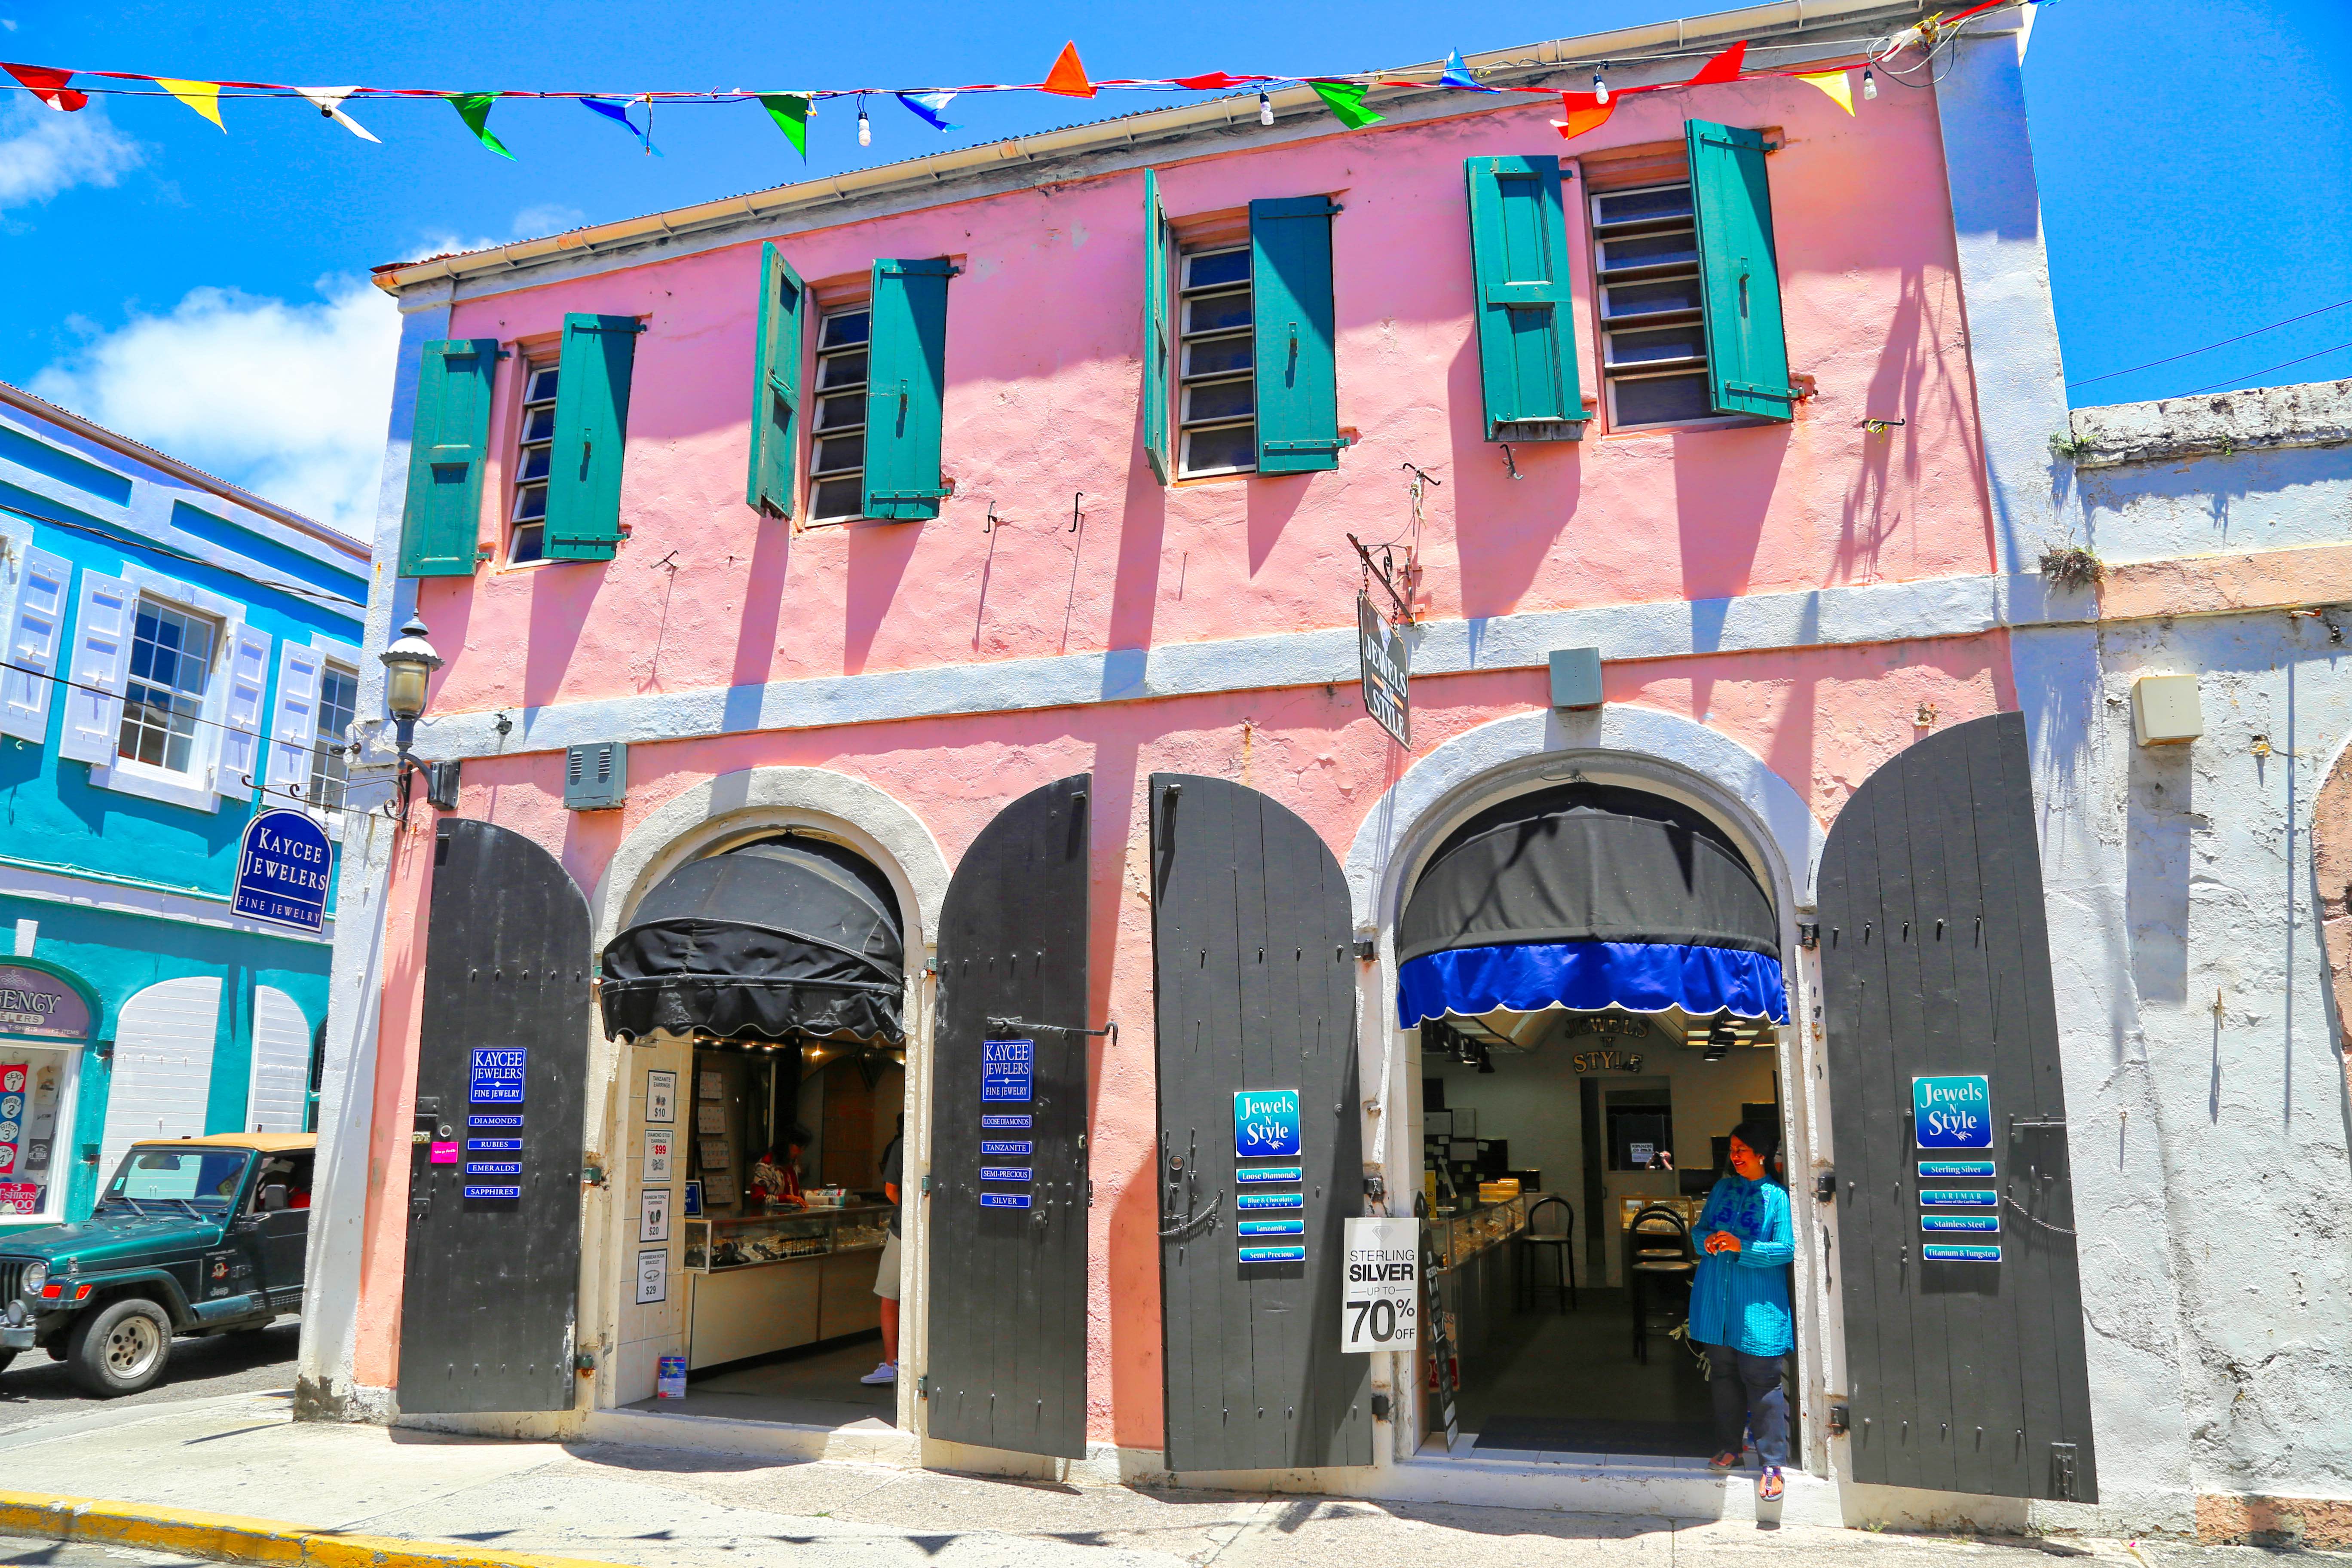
(1739, 1304)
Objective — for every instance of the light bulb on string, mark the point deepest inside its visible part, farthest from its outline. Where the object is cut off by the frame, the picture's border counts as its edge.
(1600, 88)
(865, 126)
(1869, 83)
(1265, 109)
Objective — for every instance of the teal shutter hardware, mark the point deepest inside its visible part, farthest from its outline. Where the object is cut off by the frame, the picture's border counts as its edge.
(448, 444)
(776, 390)
(1747, 355)
(1159, 349)
(1527, 345)
(906, 388)
(592, 423)
(1298, 375)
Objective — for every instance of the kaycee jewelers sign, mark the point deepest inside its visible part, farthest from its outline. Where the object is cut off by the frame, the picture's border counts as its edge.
(281, 871)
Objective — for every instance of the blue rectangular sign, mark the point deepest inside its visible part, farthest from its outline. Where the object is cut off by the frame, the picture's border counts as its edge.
(1004, 1173)
(1274, 1255)
(1981, 1169)
(1007, 1069)
(1004, 1148)
(1931, 1253)
(475, 1192)
(1265, 1122)
(496, 1076)
(495, 1119)
(1958, 1198)
(1249, 1175)
(1959, 1222)
(494, 1167)
(281, 871)
(1269, 1201)
(1273, 1227)
(493, 1145)
(1005, 1121)
(1004, 1200)
(1953, 1112)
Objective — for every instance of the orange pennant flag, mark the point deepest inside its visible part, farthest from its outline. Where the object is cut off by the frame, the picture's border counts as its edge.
(1068, 77)
(1585, 112)
(204, 97)
(1724, 68)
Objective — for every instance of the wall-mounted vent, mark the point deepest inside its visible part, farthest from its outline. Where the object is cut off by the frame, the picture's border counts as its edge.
(596, 778)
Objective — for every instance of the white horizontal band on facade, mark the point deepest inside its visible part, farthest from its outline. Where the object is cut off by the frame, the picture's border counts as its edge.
(1672, 628)
(107, 895)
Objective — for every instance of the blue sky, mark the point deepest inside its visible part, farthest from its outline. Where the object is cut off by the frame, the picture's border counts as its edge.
(203, 291)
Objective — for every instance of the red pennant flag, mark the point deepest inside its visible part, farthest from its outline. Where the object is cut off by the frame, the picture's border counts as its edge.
(1724, 68)
(48, 85)
(1068, 77)
(1585, 112)
(1216, 81)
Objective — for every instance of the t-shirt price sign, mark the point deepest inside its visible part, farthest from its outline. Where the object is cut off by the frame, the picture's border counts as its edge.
(1379, 1302)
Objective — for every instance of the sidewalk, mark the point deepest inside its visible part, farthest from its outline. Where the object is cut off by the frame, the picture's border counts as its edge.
(243, 1455)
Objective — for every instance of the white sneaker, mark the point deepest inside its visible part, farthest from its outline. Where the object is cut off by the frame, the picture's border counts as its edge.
(886, 1373)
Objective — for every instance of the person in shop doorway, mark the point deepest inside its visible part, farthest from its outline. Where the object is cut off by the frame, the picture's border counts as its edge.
(776, 1179)
(1739, 1305)
(885, 1273)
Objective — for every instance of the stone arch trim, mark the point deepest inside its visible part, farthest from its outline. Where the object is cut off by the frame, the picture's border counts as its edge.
(2331, 875)
(1631, 744)
(872, 821)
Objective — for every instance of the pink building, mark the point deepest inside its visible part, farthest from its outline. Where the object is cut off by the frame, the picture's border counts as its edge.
(895, 627)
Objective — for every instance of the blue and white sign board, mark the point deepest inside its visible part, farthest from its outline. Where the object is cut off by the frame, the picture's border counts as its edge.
(474, 1192)
(1005, 1148)
(1964, 1168)
(1260, 1175)
(1007, 1070)
(1269, 1201)
(1273, 1227)
(1004, 1200)
(1004, 1173)
(1964, 1222)
(1953, 1112)
(1935, 1254)
(1960, 1198)
(1266, 1123)
(1274, 1255)
(495, 1077)
(282, 871)
(1004, 1123)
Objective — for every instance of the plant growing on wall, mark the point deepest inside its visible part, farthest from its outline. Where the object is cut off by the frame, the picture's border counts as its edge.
(2073, 566)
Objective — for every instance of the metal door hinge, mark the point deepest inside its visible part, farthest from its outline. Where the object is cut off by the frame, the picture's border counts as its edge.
(584, 1362)
(1809, 934)
(923, 1386)
(593, 1175)
(2061, 1472)
(926, 1183)
(1826, 1186)
(1841, 1417)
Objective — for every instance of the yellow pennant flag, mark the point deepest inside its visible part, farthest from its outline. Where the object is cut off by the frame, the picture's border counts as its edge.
(1837, 85)
(204, 97)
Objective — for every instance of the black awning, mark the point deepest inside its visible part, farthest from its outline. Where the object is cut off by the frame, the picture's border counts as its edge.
(1587, 863)
(789, 939)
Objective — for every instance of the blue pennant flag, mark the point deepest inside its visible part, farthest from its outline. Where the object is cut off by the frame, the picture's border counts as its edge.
(1457, 74)
(931, 107)
(619, 115)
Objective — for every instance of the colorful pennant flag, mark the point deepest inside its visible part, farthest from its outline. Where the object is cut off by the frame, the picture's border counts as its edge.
(1068, 77)
(1457, 74)
(474, 108)
(204, 97)
(329, 100)
(1837, 84)
(1585, 112)
(1724, 68)
(48, 85)
(790, 110)
(928, 107)
(1217, 81)
(619, 114)
(1345, 99)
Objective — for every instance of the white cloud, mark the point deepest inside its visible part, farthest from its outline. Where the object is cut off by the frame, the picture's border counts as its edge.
(290, 400)
(535, 223)
(43, 151)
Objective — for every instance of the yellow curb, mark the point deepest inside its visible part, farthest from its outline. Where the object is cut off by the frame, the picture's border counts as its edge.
(235, 1538)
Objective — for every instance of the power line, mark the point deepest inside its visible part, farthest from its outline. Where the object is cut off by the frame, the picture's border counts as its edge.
(68, 682)
(2281, 366)
(2225, 342)
(323, 595)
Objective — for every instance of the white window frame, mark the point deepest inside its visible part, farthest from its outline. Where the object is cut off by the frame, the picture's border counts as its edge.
(1613, 375)
(827, 313)
(1183, 380)
(199, 789)
(63, 1154)
(345, 657)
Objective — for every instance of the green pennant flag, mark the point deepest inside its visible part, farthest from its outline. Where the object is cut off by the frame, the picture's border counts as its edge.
(790, 110)
(474, 108)
(1346, 99)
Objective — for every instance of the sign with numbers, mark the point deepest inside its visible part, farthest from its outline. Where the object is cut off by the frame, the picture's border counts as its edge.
(1380, 1293)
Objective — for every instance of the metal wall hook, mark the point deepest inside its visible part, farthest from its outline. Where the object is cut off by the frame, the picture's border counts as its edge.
(1511, 463)
(1077, 516)
(991, 523)
(1419, 473)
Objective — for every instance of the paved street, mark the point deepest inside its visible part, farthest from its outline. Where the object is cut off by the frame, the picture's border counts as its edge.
(35, 1388)
(56, 1555)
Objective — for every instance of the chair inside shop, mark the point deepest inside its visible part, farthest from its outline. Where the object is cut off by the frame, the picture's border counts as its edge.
(1594, 975)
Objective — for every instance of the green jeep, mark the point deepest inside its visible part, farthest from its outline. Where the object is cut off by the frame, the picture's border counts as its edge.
(196, 1235)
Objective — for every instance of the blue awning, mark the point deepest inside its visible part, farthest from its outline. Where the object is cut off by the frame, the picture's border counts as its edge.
(1590, 977)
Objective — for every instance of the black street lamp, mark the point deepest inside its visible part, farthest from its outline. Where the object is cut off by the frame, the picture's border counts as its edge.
(408, 663)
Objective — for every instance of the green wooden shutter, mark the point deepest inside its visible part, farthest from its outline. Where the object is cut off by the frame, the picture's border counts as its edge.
(776, 398)
(1746, 357)
(1159, 347)
(447, 445)
(1298, 377)
(1527, 350)
(906, 388)
(592, 421)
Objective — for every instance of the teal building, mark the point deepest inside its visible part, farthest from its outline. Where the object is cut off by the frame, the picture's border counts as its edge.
(179, 657)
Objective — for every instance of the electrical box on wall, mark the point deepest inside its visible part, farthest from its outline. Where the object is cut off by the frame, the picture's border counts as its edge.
(596, 778)
(1576, 677)
(2165, 709)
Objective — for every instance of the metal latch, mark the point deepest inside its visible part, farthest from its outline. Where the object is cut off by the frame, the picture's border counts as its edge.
(2061, 1472)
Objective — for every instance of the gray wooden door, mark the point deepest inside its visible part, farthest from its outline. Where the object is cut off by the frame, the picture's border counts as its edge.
(1965, 1368)
(1007, 1366)
(1255, 994)
(491, 1296)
